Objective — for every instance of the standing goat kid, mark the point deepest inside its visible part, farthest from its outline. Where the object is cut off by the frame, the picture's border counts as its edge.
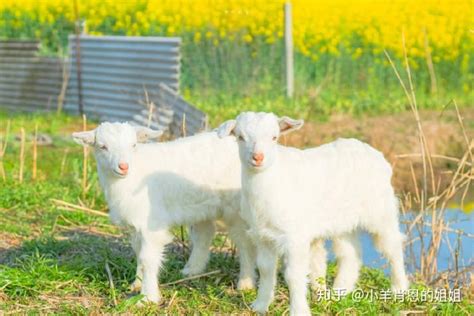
(291, 197)
(153, 187)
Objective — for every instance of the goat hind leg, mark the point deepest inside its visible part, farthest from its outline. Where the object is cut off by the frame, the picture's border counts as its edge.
(348, 253)
(201, 238)
(318, 265)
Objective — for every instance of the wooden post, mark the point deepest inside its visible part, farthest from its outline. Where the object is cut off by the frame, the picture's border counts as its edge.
(35, 153)
(62, 93)
(22, 154)
(78, 57)
(183, 131)
(3, 149)
(85, 153)
(289, 71)
(429, 62)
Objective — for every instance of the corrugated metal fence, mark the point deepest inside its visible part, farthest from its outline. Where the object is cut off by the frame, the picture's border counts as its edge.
(28, 82)
(118, 72)
(123, 78)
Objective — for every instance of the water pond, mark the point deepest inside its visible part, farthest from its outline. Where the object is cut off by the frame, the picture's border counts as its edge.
(457, 220)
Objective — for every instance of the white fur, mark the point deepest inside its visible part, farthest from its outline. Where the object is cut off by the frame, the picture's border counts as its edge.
(193, 181)
(293, 198)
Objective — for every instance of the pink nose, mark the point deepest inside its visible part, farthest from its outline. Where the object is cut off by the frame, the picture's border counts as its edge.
(123, 166)
(258, 157)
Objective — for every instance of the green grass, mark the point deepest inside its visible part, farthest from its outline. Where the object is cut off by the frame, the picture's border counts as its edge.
(53, 261)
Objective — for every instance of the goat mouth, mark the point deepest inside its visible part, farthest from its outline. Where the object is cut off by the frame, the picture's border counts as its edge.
(119, 174)
(256, 165)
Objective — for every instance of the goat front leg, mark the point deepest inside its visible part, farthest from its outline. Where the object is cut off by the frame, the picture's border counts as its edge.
(135, 240)
(296, 275)
(318, 265)
(151, 257)
(267, 263)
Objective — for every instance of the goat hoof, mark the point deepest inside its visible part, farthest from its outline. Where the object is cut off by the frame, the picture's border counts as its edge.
(190, 271)
(318, 286)
(150, 299)
(301, 311)
(246, 284)
(136, 286)
(259, 307)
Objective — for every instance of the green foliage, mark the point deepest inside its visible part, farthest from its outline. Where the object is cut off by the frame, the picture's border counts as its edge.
(231, 75)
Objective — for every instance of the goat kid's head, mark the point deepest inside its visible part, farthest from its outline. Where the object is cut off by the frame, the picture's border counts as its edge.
(257, 135)
(114, 144)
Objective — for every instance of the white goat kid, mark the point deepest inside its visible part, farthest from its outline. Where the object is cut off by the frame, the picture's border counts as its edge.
(152, 187)
(291, 197)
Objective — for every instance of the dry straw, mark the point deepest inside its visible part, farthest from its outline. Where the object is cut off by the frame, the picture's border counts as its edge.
(151, 108)
(111, 283)
(74, 207)
(63, 162)
(429, 199)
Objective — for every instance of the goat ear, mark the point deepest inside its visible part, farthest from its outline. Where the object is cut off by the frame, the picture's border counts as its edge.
(226, 128)
(288, 124)
(144, 134)
(84, 138)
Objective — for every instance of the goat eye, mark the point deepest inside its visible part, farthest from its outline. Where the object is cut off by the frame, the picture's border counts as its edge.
(103, 147)
(241, 138)
(274, 138)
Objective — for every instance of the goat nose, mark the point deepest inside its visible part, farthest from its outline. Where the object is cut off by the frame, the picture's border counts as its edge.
(258, 157)
(123, 166)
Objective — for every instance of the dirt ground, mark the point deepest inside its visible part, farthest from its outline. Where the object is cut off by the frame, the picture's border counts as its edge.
(396, 135)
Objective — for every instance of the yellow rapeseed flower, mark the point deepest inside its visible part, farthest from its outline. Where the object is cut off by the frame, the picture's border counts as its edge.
(319, 26)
